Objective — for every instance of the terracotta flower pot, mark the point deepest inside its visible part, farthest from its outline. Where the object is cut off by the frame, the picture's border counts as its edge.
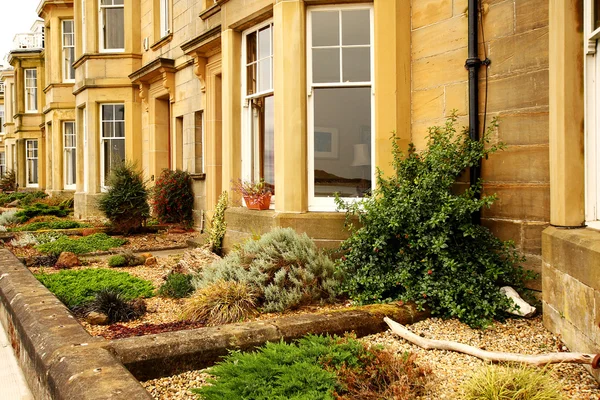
(261, 202)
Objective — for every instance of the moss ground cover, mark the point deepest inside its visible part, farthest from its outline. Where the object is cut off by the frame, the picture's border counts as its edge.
(86, 244)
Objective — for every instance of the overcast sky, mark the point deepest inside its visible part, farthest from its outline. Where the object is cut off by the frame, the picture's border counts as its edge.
(17, 17)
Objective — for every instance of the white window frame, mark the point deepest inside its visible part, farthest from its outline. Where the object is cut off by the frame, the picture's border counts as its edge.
(83, 29)
(66, 150)
(31, 89)
(2, 119)
(164, 18)
(327, 204)
(2, 163)
(101, 7)
(103, 138)
(248, 148)
(66, 67)
(28, 158)
(592, 117)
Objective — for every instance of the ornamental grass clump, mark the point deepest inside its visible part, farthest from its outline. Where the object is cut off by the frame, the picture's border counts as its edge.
(285, 268)
(125, 203)
(173, 198)
(416, 240)
(511, 383)
(112, 303)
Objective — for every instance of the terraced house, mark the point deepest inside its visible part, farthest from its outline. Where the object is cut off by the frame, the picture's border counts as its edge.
(305, 94)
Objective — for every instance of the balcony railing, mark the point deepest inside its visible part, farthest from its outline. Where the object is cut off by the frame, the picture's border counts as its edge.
(33, 40)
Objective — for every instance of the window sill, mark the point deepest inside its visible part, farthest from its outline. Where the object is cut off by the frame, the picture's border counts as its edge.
(164, 40)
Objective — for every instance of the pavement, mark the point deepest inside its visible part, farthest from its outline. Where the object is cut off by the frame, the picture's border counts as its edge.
(12, 381)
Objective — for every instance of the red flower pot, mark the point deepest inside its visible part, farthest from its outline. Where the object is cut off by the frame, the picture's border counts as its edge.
(261, 202)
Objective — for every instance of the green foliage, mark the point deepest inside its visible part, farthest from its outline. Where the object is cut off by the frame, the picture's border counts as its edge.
(77, 288)
(218, 226)
(220, 303)
(176, 286)
(40, 209)
(125, 259)
(285, 268)
(41, 225)
(8, 182)
(25, 198)
(506, 383)
(8, 217)
(114, 305)
(85, 244)
(315, 367)
(47, 237)
(173, 198)
(417, 240)
(118, 260)
(125, 203)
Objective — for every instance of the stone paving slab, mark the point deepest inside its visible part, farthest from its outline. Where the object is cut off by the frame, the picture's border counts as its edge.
(12, 381)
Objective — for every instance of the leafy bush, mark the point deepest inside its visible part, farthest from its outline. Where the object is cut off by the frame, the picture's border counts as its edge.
(126, 259)
(8, 182)
(85, 244)
(285, 268)
(40, 209)
(506, 383)
(221, 303)
(76, 288)
(313, 368)
(218, 226)
(125, 203)
(8, 217)
(112, 303)
(176, 286)
(417, 240)
(173, 198)
(36, 226)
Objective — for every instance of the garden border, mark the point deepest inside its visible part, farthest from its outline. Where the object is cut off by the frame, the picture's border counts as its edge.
(62, 361)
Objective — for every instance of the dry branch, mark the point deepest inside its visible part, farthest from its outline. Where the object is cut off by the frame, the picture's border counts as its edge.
(539, 360)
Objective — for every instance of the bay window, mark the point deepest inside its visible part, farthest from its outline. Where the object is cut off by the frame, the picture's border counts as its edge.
(31, 165)
(258, 160)
(70, 152)
(31, 90)
(340, 103)
(68, 50)
(112, 138)
(112, 25)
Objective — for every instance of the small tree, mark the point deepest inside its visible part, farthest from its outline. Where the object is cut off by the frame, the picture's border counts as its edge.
(173, 198)
(8, 181)
(125, 203)
(417, 240)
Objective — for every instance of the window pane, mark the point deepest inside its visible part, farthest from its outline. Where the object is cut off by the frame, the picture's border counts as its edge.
(326, 65)
(356, 27)
(107, 112)
(250, 47)
(119, 112)
(114, 37)
(107, 129)
(325, 28)
(342, 141)
(264, 42)
(357, 64)
(268, 149)
(119, 129)
(114, 153)
(264, 69)
(251, 79)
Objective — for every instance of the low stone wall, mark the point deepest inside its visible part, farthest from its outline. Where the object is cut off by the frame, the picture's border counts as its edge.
(60, 360)
(571, 287)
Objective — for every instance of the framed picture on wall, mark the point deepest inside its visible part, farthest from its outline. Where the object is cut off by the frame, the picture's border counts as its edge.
(326, 143)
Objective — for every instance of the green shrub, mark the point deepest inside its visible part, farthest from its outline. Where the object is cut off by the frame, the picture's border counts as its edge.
(8, 217)
(313, 368)
(112, 303)
(8, 182)
(48, 237)
(125, 259)
(125, 203)
(176, 286)
(506, 383)
(85, 244)
(218, 226)
(220, 303)
(77, 288)
(25, 198)
(41, 225)
(40, 209)
(417, 240)
(118, 260)
(285, 268)
(173, 198)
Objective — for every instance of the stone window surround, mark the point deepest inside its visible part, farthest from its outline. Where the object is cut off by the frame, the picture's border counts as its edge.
(34, 158)
(30, 89)
(66, 73)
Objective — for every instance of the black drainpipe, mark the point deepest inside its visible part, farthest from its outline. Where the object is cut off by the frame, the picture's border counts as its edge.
(472, 64)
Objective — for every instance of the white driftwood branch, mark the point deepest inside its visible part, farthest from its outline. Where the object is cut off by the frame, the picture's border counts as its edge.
(524, 310)
(539, 360)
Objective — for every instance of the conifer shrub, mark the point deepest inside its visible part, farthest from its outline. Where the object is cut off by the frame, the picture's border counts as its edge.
(115, 306)
(59, 224)
(221, 302)
(125, 259)
(118, 260)
(176, 286)
(285, 268)
(82, 245)
(25, 198)
(173, 197)
(125, 203)
(218, 226)
(511, 383)
(78, 288)
(417, 242)
(315, 368)
(8, 181)
(37, 209)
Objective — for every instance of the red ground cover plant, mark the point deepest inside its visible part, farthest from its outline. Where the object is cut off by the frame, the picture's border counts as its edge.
(119, 331)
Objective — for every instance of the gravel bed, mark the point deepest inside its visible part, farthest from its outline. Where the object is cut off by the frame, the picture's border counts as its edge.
(449, 369)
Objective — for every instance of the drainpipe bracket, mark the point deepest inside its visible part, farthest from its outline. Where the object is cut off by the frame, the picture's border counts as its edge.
(472, 62)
